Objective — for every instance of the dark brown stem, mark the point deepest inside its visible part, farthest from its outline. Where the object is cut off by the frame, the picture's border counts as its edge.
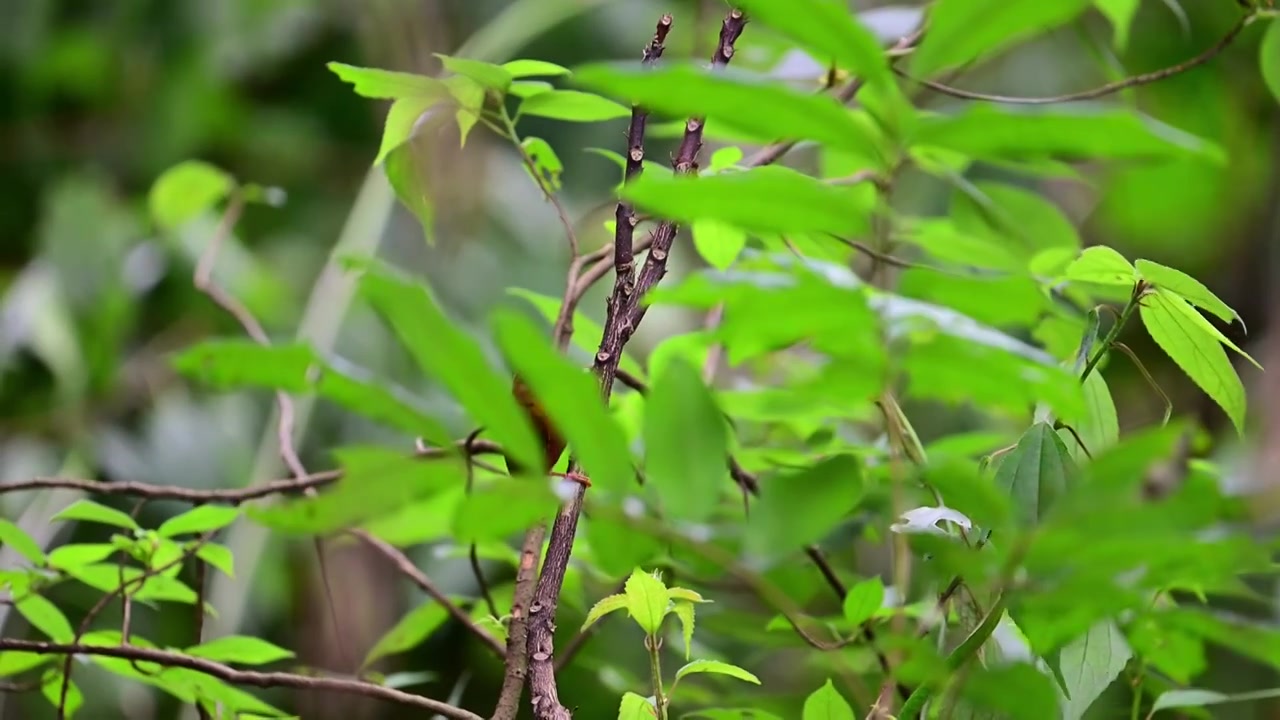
(517, 661)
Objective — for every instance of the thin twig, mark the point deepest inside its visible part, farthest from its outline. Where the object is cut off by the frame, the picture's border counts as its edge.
(231, 675)
(1100, 91)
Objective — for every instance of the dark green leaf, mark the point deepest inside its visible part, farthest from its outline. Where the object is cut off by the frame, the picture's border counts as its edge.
(1269, 57)
(765, 199)
(961, 31)
(411, 630)
(717, 667)
(686, 444)
(573, 106)
(90, 511)
(386, 84)
(201, 519)
(1017, 691)
(571, 397)
(241, 650)
(186, 190)
(797, 509)
(1035, 473)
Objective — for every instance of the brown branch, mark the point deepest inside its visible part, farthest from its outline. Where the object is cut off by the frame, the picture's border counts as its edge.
(1100, 91)
(516, 669)
(623, 313)
(166, 658)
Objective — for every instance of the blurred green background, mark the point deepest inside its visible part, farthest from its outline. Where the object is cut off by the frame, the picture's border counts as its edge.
(98, 98)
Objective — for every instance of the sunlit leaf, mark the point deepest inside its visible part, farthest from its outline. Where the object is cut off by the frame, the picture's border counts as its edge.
(606, 605)
(573, 106)
(90, 511)
(1100, 264)
(828, 31)
(402, 119)
(185, 191)
(1120, 13)
(586, 330)
(718, 668)
(647, 600)
(219, 556)
(1188, 288)
(386, 84)
(636, 707)
(545, 160)
(1190, 698)
(490, 76)
(204, 518)
(77, 554)
(14, 537)
(68, 702)
(1269, 58)
(533, 68)
(1098, 427)
(717, 242)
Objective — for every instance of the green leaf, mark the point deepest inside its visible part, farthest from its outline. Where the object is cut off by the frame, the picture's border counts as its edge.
(1100, 264)
(685, 89)
(684, 612)
(386, 84)
(529, 88)
(15, 537)
(410, 185)
(1098, 426)
(961, 31)
(570, 396)
(1188, 698)
(717, 667)
(647, 600)
(616, 548)
(573, 106)
(241, 650)
(764, 199)
(635, 707)
(797, 509)
(828, 31)
(1172, 324)
(686, 444)
(717, 242)
(825, 703)
(1188, 288)
(1017, 691)
(1035, 473)
(604, 607)
(1269, 57)
(1025, 221)
(1089, 664)
(533, 68)
(202, 519)
(186, 190)
(587, 332)
(51, 688)
(998, 300)
(990, 133)
(77, 554)
(468, 96)
(507, 506)
(45, 617)
(544, 158)
(1120, 13)
(90, 511)
(409, 632)
(448, 355)
(14, 662)
(376, 481)
(219, 556)
(402, 118)
(490, 76)
(863, 601)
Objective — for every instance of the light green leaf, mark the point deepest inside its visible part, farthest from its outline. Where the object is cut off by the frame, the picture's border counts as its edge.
(796, 509)
(447, 354)
(1098, 426)
(202, 519)
(684, 611)
(587, 332)
(15, 537)
(766, 199)
(825, 703)
(961, 31)
(827, 30)
(534, 68)
(717, 242)
(1269, 57)
(1089, 664)
(1188, 288)
(186, 190)
(647, 600)
(571, 397)
(402, 118)
(987, 132)
(1035, 473)
(863, 601)
(497, 510)
(604, 607)
(635, 707)
(488, 75)
(376, 481)
(1188, 698)
(45, 617)
(13, 662)
(1172, 324)
(241, 650)
(717, 667)
(386, 84)
(544, 158)
(219, 556)
(1025, 221)
(529, 88)
(90, 511)
(1102, 265)
(686, 443)
(685, 89)
(573, 106)
(1120, 13)
(679, 593)
(409, 182)
(469, 96)
(77, 554)
(409, 632)
(51, 687)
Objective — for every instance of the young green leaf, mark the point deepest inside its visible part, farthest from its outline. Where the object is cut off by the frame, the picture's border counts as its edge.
(686, 443)
(533, 68)
(15, 537)
(219, 556)
(801, 508)
(1188, 288)
(573, 106)
(545, 160)
(488, 75)
(1269, 57)
(765, 199)
(202, 519)
(45, 617)
(409, 632)
(604, 607)
(409, 183)
(647, 600)
(90, 511)
(717, 242)
(716, 667)
(401, 121)
(1100, 264)
(241, 650)
(1035, 473)
(570, 396)
(635, 707)
(77, 554)
(863, 601)
(685, 89)
(386, 84)
(961, 31)
(448, 355)
(1172, 324)
(825, 703)
(68, 704)
(186, 190)
(684, 612)
(587, 331)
